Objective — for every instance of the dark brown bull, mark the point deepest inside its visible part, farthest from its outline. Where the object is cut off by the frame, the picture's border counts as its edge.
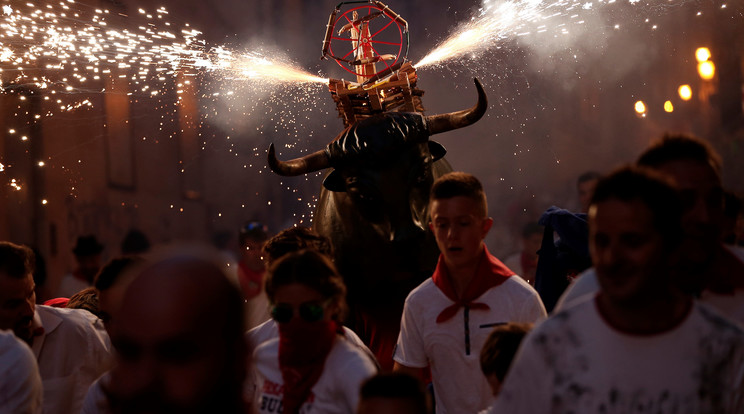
(374, 207)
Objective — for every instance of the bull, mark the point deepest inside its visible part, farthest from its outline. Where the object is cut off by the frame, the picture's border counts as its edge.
(374, 207)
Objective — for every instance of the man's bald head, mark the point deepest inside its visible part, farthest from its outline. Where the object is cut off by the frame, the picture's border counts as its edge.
(179, 338)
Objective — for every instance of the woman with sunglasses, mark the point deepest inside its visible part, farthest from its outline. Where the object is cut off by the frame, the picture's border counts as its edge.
(311, 367)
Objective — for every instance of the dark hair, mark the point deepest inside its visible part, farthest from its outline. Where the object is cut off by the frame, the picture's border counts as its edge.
(135, 242)
(457, 183)
(500, 347)
(294, 239)
(313, 270)
(17, 261)
(656, 191)
(399, 386)
(674, 147)
(87, 246)
(588, 176)
(110, 272)
(85, 299)
(253, 230)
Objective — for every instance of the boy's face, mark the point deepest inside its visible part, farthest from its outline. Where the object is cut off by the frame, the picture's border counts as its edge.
(459, 226)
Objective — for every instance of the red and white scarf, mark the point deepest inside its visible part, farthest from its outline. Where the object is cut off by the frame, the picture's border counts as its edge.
(489, 273)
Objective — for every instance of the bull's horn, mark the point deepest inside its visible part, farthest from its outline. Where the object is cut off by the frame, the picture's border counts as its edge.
(454, 120)
(309, 163)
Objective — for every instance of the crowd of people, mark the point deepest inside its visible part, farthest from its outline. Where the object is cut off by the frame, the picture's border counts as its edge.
(653, 325)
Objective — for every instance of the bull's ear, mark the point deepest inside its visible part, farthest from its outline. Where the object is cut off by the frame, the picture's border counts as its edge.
(437, 150)
(335, 182)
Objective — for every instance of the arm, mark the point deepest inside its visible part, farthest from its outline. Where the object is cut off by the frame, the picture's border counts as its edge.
(418, 373)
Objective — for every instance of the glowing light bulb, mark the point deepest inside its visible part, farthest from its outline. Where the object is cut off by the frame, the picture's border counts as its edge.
(707, 70)
(702, 54)
(640, 107)
(668, 107)
(685, 92)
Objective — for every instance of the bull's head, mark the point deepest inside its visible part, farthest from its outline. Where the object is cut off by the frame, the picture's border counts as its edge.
(368, 139)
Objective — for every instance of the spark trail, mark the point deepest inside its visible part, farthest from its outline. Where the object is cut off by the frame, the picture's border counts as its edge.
(500, 20)
(82, 44)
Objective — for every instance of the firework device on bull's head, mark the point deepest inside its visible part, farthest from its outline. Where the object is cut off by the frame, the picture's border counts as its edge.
(370, 41)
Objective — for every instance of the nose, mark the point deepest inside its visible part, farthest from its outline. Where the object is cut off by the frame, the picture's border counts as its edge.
(608, 256)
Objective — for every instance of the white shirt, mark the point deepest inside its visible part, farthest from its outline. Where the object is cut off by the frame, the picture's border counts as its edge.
(459, 384)
(575, 362)
(587, 285)
(337, 389)
(20, 384)
(72, 352)
(95, 401)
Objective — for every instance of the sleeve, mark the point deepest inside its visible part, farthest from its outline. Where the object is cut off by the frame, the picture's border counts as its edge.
(533, 310)
(527, 387)
(355, 372)
(410, 350)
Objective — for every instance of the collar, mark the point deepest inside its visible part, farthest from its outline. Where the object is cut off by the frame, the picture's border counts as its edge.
(490, 272)
(45, 322)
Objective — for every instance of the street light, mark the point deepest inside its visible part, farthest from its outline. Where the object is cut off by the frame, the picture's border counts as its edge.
(668, 107)
(702, 54)
(640, 108)
(707, 70)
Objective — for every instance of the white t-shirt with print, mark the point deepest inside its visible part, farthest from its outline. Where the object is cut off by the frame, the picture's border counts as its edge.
(337, 389)
(575, 362)
(453, 356)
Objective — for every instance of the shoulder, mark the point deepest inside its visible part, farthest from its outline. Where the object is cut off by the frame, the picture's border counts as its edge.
(424, 291)
(262, 333)
(718, 323)
(67, 320)
(515, 286)
(351, 359)
(568, 321)
(345, 349)
(15, 355)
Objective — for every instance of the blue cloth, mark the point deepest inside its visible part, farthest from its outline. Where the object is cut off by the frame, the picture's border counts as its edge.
(563, 259)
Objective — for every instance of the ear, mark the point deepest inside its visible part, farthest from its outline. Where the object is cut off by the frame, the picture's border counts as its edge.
(437, 150)
(335, 182)
(487, 223)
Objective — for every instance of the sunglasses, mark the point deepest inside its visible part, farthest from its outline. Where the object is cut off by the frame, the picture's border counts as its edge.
(309, 312)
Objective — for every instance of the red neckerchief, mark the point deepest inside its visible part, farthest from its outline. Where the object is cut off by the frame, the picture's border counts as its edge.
(303, 348)
(490, 272)
(251, 281)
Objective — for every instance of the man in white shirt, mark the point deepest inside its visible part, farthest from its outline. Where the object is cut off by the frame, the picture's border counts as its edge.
(641, 344)
(707, 268)
(71, 346)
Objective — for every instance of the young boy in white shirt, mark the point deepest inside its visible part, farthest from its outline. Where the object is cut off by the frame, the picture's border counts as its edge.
(447, 318)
